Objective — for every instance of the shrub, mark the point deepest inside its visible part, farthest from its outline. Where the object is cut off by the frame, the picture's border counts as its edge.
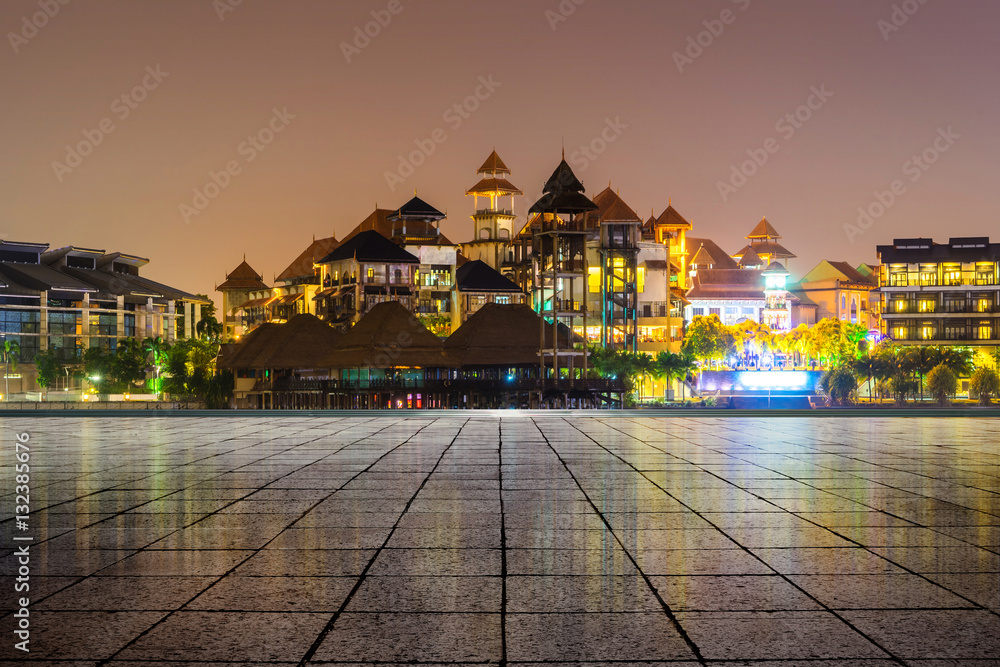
(986, 383)
(942, 383)
(902, 386)
(840, 385)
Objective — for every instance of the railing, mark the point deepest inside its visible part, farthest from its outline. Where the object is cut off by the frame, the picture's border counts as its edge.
(287, 385)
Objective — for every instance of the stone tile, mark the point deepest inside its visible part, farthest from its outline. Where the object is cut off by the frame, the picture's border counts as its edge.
(826, 561)
(81, 635)
(311, 563)
(228, 636)
(732, 593)
(127, 594)
(872, 591)
(275, 594)
(594, 637)
(942, 559)
(449, 638)
(330, 538)
(607, 561)
(694, 562)
(176, 563)
(937, 634)
(981, 588)
(779, 635)
(445, 538)
(437, 563)
(564, 594)
(428, 594)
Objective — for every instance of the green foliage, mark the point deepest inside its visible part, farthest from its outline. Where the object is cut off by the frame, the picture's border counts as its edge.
(708, 339)
(986, 383)
(219, 390)
(901, 386)
(942, 382)
(190, 366)
(50, 368)
(117, 372)
(840, 384)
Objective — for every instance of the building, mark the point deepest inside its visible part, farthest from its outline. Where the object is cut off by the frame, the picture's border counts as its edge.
(479, 284)
(242, 285)
(71, 299)
(493, 223)
(764, 244)
(841, 292)
(559, 278)
(940, 293)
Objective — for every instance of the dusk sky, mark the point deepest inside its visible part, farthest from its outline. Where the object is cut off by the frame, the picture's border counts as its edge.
(888, 80)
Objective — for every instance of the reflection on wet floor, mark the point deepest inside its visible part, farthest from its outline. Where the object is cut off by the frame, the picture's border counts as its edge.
(514, 538)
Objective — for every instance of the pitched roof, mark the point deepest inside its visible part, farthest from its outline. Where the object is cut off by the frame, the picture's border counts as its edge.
(563, 180)
(416, 209)
(376, 221)
(612, 208)
(720, 258)
(501, 335)
(243, 277)
(478, 276)
(255, 344)
(747, 284)
(851, 274)
(672, 219)
(776, 250)
(750, 259)
(489, 186)
(388, 336)
(493, 165)
(777, 269)
(370, 246)
(44, 278)
(764, 230)
(702, 258)
(306, 341)
(302, 267)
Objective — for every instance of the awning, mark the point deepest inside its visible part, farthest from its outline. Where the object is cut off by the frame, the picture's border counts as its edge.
(324, 293)
(258, 303)
(289, 298)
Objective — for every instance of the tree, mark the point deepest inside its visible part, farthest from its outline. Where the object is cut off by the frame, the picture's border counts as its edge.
(957, 359)
(11, 353)
(708, 339)
(986, 383)
(190, 367)
(902, 385)
(643, 365)
(156, 354)
(50, 368)
(840, 384)
(942, 382)
(116, 372)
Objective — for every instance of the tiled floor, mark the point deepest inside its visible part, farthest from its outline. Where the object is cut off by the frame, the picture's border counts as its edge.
(521, 538)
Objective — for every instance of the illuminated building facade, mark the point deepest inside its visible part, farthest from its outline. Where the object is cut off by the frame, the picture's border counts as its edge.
(940, 293)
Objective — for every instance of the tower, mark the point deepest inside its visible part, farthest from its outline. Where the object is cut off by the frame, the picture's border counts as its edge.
(764, 242)
(776, 312)
(559, 265)
(620, 230)
(493, 223)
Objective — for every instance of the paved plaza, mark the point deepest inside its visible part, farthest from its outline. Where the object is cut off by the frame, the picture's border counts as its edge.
(489, 538)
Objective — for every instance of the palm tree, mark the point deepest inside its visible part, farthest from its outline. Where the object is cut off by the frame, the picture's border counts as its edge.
(866, 367)
(920, 360)
(642, 365)
(156, 351)
(11, 353)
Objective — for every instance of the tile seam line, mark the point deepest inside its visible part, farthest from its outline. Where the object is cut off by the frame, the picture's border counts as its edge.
(892, 656)
(328, 628)
(145, 632)
(692, 646)
(503, 550)
(868, 549)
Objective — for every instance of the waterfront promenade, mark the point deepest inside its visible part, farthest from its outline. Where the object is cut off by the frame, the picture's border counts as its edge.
(507, 538)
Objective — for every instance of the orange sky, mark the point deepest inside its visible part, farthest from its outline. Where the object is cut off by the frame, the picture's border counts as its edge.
(332, 114)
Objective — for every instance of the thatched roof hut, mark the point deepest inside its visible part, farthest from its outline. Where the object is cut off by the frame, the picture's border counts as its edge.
(388, 336)
(501, 335)
(302, 343)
